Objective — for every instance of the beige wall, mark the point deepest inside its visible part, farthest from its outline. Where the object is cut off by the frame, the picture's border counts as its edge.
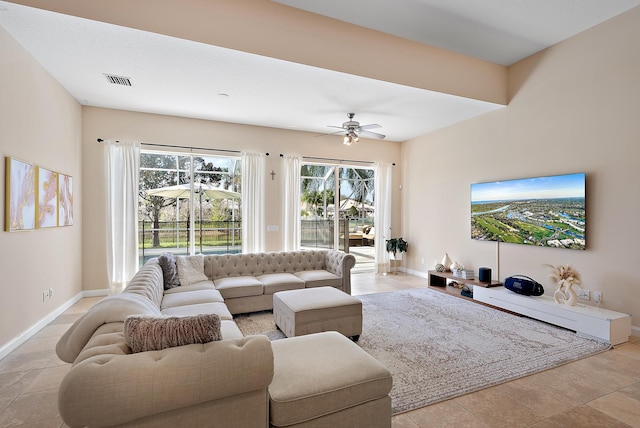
(573, 108)
(40, 124)
(157, 129)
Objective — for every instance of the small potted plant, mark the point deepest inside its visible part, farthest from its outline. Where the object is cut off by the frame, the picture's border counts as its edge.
(396, 246)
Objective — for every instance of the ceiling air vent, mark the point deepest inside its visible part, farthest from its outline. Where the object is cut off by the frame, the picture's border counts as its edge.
(118, 80)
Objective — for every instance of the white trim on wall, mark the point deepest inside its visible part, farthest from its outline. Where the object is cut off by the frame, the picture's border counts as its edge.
(26, 335)
(414, 272)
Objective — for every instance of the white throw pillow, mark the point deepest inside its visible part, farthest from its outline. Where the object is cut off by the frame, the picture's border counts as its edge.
(191, 269)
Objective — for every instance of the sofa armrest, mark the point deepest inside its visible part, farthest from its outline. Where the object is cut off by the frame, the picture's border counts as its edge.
(116, 389)
(340, 263)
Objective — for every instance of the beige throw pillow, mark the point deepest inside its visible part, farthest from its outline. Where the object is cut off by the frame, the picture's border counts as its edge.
(191, 269)
(143, 334)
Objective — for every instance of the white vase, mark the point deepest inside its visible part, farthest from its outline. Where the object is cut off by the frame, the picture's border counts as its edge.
(446, 261)
(573, 296)
(565, 294)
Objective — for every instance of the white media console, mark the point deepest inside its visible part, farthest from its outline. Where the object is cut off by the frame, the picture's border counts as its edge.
(589, 321)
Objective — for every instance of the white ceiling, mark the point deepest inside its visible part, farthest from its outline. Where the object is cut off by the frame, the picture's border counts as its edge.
(184, 78)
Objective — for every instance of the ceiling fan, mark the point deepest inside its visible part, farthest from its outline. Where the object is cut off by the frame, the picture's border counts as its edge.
(353, 130)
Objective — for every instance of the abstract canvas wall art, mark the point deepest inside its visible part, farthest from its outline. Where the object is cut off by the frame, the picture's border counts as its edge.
(47, 209)
(65, 200)
(20, 195)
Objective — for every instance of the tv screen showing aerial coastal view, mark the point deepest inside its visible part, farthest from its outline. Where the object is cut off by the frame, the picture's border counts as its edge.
(542, 211)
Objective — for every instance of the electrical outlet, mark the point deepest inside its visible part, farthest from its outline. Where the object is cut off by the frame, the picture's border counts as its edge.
(584, 294)
(597, 296)
(50, 292)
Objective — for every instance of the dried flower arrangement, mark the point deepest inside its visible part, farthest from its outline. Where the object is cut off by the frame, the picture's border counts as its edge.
(565, 278)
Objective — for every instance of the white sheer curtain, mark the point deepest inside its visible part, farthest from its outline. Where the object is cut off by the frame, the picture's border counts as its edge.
(382, 209)
(122, 170)
(253, 222)
(291, 221)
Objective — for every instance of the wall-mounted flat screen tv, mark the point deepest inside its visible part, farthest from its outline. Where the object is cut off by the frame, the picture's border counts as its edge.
(543, 211)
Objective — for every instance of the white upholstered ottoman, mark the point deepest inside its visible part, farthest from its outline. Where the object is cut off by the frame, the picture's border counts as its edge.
(325, 380)
(314, 310)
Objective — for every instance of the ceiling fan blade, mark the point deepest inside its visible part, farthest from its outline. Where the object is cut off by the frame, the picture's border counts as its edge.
(370, 126)
(331, 126)
(331, 133)
(369, 134)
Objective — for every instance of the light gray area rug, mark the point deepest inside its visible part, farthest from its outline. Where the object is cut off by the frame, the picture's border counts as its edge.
(439, 347)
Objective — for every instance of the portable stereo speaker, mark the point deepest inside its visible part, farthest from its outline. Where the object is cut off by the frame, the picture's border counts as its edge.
(523, 285)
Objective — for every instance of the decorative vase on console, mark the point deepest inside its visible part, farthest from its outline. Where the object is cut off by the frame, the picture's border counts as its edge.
(566, 279)
(455, 267)
(446, 261)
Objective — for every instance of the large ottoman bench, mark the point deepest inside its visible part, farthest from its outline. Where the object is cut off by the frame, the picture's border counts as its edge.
(314, 310)
(325, 380)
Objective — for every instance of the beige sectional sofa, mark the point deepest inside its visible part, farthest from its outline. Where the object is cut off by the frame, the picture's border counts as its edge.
(234, 382)
(247, 282)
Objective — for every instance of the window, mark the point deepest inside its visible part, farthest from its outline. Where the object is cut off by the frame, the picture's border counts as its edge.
(182, 215)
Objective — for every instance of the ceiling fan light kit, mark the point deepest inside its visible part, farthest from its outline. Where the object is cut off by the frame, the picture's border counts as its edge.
(350, 138)
(353, 130)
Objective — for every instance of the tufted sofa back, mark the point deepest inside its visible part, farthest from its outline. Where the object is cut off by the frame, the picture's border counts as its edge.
(231, 265)
(148, 282)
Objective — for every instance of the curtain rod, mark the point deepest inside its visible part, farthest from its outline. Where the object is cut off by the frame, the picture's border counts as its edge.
(100, 140)
(336, 160)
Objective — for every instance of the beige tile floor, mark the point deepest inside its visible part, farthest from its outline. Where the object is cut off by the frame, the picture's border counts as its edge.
(599, 391)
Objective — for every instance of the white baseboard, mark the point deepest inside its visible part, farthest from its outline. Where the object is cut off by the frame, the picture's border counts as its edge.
(416, 273)
(95, 293)
(635, 331)
(12, 345)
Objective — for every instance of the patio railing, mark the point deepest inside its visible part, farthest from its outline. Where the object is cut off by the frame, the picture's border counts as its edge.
(220, 237)
(319, 233)
(210, 237)
(316, 233)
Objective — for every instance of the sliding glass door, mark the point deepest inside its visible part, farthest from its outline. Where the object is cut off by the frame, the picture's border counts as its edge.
(317, 194)
(337, 210)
